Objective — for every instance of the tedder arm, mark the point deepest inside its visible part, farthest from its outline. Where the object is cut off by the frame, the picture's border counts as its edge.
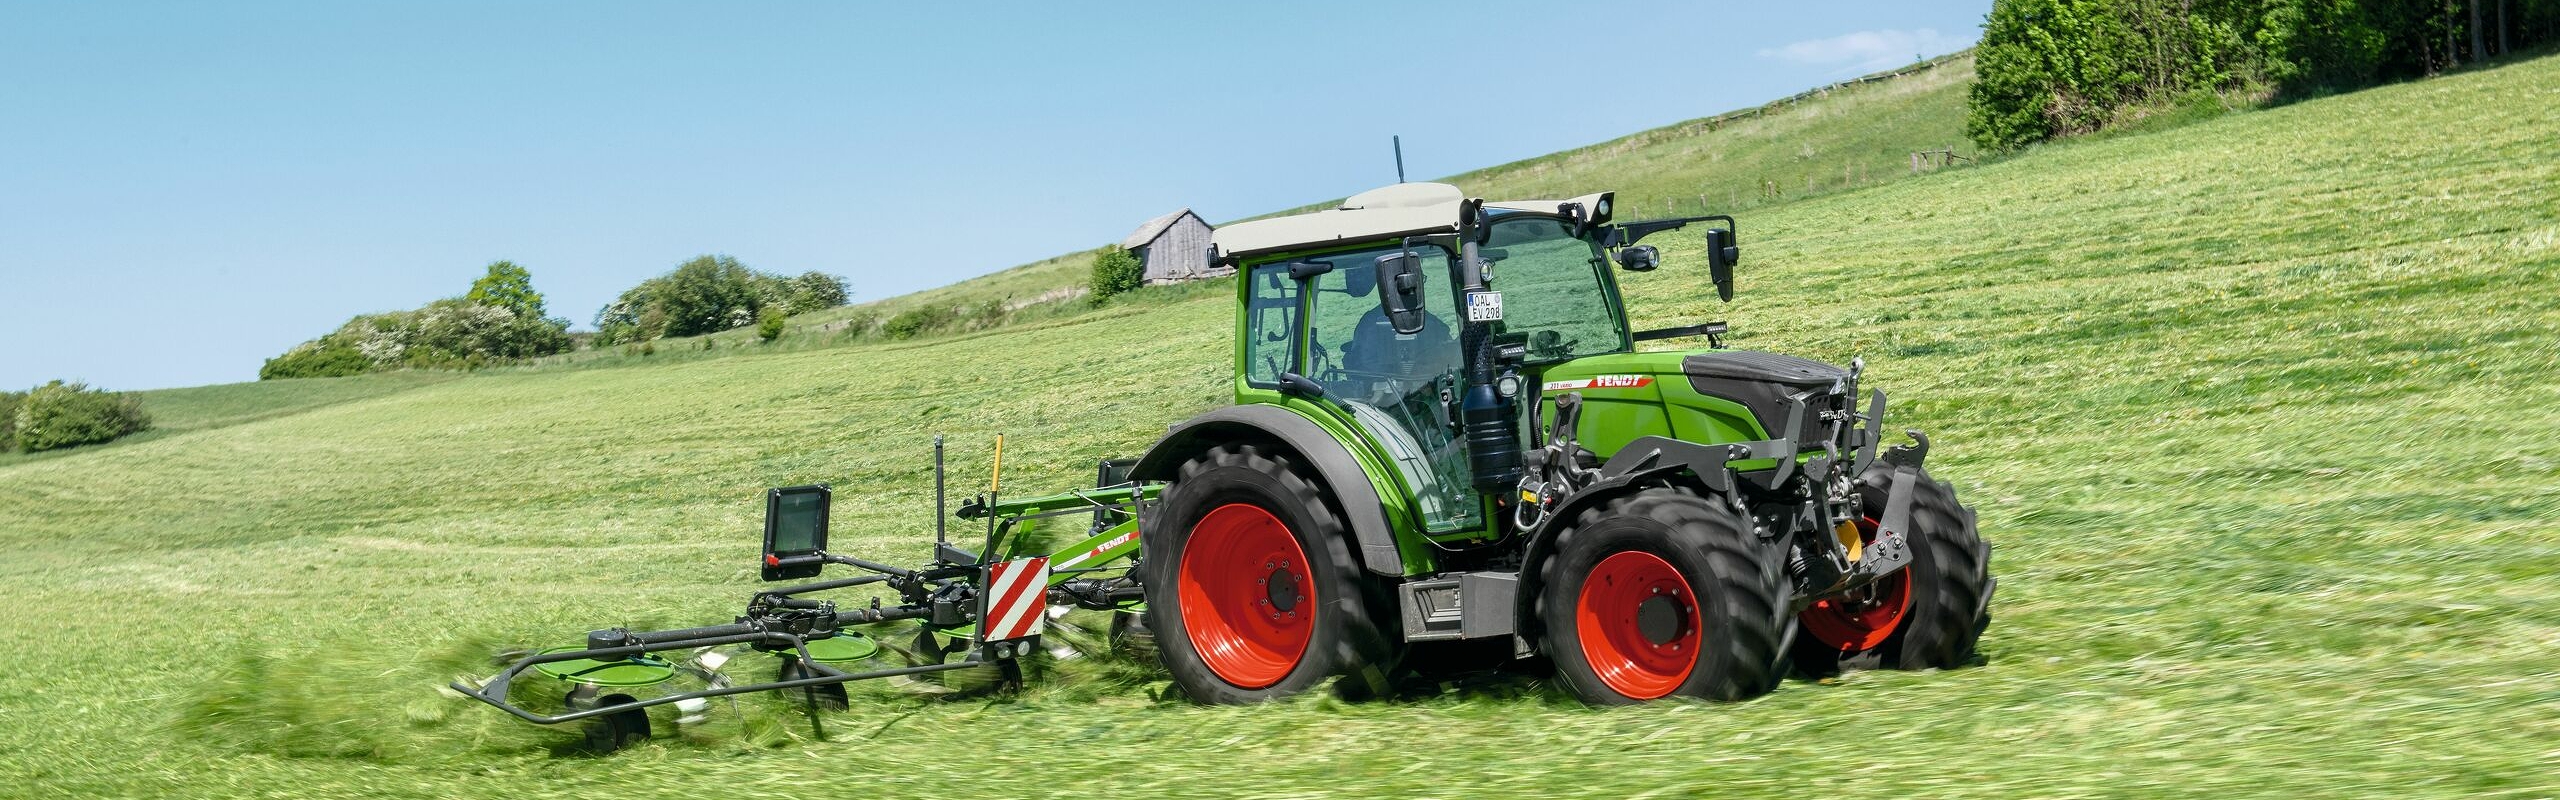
(997, 604)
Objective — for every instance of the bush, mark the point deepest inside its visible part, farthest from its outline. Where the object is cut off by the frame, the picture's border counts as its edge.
(710, 294)
(316, 360)
(769, 324)
(1116, 271)
(9, 402)
(499, 320)
(859, 325)
(444, 334)
(917, 321)
(58, 415)
(986, 314)
(454, 330)
(813, 291)
(2049, 68)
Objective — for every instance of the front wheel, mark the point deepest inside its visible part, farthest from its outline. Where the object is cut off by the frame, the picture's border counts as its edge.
(1930, 615)
(1659, 593)
(1254, 594)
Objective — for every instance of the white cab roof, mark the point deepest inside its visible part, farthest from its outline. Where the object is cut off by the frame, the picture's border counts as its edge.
(1404, 209)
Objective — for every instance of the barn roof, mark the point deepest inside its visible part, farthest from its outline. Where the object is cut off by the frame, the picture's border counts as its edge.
(1155, 227)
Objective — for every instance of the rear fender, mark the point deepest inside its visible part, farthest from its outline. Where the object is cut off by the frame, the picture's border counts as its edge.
(1352, 492)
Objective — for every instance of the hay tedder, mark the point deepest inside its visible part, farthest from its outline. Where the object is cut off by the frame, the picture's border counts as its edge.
(1445, 452)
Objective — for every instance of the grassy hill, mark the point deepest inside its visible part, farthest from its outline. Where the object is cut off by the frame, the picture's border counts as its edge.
(2254, 410)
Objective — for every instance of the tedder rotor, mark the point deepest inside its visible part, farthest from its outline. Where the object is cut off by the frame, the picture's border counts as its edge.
(1445, 449)
(987, 610)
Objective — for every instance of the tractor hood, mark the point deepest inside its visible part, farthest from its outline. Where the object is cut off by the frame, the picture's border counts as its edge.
(1709, 397)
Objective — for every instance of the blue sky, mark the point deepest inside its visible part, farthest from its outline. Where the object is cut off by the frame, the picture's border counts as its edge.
(189, 188)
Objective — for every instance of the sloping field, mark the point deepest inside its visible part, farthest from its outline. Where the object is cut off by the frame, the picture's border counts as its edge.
(2256, 412)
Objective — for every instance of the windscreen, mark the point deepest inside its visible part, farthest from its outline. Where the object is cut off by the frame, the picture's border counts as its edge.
(1551, 289)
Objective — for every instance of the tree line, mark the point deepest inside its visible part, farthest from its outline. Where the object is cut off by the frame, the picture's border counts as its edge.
(502, 319)
(2049, 68)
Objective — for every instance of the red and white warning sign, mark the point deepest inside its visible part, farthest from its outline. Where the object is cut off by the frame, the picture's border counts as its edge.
(1017, 593)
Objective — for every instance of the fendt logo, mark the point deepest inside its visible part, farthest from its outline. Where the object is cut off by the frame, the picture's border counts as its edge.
(1599, 382)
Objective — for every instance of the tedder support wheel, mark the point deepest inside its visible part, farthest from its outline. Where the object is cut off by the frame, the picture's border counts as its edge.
(831, 696)
(1927, 616)
(1130, 638)
(609, 732)
(1253, 594)
(1660, 592)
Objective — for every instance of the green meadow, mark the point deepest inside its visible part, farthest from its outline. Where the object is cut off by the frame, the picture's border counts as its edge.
(2257, 413)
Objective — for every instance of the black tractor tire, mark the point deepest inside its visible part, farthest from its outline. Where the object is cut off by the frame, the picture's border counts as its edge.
(1950, 584)
(1340, 629)
(828, 697)
(1737, 607)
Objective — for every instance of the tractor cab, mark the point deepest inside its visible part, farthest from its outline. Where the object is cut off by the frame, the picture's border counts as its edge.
(1394, 312)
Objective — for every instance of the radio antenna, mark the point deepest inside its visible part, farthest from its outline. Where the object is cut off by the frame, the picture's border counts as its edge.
(1399, 144)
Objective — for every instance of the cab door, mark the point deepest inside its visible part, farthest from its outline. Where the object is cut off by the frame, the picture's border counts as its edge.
(1399, 389)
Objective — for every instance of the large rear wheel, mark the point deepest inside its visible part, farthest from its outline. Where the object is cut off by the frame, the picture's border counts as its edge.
(1661, 593)
(1253, 594)
(1928, 616)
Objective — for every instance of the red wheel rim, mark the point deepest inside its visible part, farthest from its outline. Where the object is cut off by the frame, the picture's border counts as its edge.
(1638, 622)
(1248, 598)
(1853, 625)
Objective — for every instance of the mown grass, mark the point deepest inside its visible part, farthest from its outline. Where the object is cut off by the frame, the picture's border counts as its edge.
(195, 408)
(2255, 412)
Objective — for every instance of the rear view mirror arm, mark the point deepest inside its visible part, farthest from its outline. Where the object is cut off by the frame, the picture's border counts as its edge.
(1628, 233)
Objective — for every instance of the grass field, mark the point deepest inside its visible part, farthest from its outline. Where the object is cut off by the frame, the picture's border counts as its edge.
(2255, 412)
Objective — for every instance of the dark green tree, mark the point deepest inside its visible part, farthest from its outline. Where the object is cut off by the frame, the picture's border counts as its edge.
(509, 287)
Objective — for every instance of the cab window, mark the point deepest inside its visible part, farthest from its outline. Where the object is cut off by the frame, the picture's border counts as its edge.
(1271, 320)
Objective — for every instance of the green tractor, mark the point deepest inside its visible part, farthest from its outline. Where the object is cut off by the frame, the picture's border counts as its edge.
(1444, 451)
(1445, 441)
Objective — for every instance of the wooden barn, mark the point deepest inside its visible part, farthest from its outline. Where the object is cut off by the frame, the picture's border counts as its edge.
(1175, 247)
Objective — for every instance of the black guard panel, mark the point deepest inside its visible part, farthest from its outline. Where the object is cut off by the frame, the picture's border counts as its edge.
(1762, 381)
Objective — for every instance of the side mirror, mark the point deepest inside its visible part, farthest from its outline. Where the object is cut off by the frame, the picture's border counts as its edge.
(1639, 258)
(1400, 291)
(795, 532)
(1721, 255)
